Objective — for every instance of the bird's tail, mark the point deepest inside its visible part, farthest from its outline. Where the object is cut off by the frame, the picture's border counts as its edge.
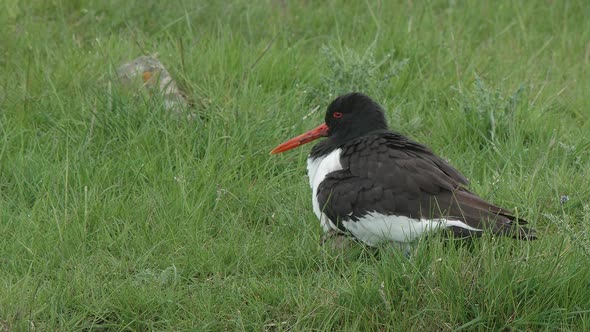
(520, 232)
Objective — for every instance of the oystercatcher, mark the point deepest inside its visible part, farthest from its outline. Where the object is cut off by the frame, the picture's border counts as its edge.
(378, 186)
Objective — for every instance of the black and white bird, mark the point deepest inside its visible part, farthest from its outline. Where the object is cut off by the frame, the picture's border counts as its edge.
(378, 186)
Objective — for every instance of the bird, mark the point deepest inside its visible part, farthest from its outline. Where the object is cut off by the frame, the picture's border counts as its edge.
(379, 186)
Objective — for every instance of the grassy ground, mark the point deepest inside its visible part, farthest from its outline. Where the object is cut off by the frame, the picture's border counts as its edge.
(116, 216)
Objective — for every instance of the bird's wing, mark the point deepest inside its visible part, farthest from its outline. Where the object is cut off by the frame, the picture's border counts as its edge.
(390, 175)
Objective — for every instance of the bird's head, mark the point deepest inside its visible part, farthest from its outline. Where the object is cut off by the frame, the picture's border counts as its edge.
(349, 116)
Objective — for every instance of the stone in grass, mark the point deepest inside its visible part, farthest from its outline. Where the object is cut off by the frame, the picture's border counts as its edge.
(155, 78)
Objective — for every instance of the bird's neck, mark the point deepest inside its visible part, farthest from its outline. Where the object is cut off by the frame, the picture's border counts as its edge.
(334, 142)
(324, 148)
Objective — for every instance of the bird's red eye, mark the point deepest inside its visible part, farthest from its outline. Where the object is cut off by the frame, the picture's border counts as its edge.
(337, 115)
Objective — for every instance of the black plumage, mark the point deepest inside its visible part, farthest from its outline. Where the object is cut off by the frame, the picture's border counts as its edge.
(385, 172)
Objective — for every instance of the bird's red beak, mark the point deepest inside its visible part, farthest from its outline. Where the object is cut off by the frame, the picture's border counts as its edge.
(320, 131)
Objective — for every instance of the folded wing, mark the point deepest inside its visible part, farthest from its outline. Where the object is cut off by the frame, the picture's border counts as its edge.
(391, 175)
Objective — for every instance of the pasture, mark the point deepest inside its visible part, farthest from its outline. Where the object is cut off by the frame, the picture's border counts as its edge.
(117, 215)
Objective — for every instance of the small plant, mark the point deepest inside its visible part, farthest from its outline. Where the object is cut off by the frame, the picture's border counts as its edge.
(577, 229)
(488, 111)
(348, 70)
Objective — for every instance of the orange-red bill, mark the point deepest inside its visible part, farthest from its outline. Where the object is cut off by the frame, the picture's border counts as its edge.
(320, 131)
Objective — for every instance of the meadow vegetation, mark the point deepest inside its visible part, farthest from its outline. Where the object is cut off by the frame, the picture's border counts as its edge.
(115, 215)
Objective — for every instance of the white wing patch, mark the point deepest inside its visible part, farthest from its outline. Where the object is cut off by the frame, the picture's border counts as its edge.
(374, 227)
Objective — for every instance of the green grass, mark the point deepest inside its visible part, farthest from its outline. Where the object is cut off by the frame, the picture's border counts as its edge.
(116, 216)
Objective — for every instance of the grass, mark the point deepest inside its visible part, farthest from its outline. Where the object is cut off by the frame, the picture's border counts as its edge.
(116, 216)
